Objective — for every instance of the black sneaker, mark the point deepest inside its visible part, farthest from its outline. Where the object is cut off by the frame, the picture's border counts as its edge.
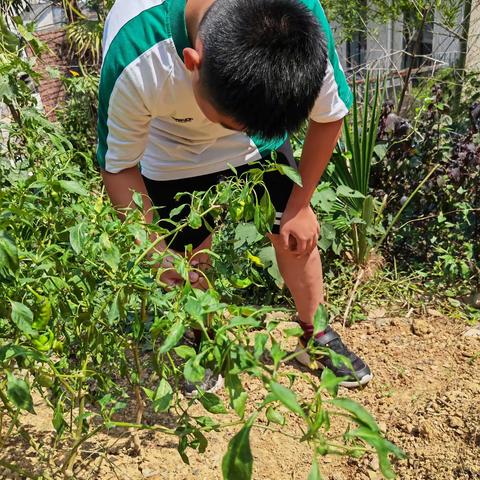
(359, 376)
(211, 383)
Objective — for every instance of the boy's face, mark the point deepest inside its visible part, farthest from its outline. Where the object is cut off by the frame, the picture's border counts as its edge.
(193, 60)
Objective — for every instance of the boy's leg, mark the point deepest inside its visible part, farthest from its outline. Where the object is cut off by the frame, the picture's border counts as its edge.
(303, 277)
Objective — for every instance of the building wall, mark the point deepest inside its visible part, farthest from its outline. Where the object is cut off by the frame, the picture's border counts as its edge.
(49, 21)
(44, 15)
(473, 49)
(385, 44)
(446, 46)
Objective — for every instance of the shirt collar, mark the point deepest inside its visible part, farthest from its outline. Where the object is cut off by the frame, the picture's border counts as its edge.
(178, 26)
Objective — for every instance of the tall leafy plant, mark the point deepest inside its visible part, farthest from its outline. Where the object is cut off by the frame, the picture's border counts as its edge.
(351, 167)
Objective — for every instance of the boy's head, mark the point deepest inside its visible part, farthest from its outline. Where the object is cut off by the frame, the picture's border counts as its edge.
(258, 65)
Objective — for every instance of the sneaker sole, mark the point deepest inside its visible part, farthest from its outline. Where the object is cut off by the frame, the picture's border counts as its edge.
(218, 386)
(304, 358)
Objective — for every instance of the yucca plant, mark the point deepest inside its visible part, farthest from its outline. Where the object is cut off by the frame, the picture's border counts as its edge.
(351, 166)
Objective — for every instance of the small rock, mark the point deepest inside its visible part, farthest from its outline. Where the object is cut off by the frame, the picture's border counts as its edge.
(335, 476)
(426, 431)
(421, 327)
(472, 332)
(377, 313)
(410, 428)
(382, 322)
(382, 426)
(434, 313)
(374, 464)
(456, 422)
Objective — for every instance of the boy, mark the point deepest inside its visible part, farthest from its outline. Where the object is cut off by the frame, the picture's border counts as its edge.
(188, 87)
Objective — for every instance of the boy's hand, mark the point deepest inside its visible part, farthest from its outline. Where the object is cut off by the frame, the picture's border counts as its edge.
(299, 230)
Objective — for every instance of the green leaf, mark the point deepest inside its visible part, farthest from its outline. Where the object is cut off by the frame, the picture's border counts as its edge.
(267, 209)
(212, 403)
(320, 319)
(238, 396)
(8, 254)
(73, 187)
(287, 397)
(174, 336)
(22, 317)
(194, 219)
(274, 416)
(246, 233)
(194, 308)
(137, 198)
(78, 234)
(293, 332)
(163, 397)
(18, 392)
(268, 257)
(193, 371)
(110, 252)
(200, 442)
(314, 471)
(324, 198)
(361, 416)
(58, 421)
(185, 352)
(382, 446)
(292, 173)
(238, 321)
(182, 447)
(380, 150)
(237, 463)
(330, 381)
(344, 191)
(277, 353)
(175, 211)
(260, 342)
(327, 236)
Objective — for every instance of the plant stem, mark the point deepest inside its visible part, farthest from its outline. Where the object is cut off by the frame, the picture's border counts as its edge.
(360, 275)
(67, 467)
(404, 206)
(162, 237)
(70, 460)
(138, 399)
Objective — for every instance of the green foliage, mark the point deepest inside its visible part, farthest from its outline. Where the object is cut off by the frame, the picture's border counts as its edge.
(238, 461)
(78, 115)
(437, 230)
(357, 15)
(352, 207)
(85, 321)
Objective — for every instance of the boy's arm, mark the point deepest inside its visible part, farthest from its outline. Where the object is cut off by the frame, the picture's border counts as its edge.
(298, 220)
(120, 187)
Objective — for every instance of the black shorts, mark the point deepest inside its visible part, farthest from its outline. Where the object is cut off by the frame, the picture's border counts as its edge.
(162, 194)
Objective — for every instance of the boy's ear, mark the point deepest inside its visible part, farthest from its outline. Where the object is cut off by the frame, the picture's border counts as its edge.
(191, 58)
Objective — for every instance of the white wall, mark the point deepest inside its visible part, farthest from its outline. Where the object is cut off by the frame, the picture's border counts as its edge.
(446, 46)
(44, 15)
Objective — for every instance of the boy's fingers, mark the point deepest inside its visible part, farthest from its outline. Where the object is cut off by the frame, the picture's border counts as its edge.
(301, 246)
(285, 240)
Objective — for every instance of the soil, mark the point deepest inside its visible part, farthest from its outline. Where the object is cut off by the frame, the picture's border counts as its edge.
(425, 396)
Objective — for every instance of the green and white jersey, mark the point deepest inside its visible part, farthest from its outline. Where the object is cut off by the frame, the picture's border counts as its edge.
(147, 111)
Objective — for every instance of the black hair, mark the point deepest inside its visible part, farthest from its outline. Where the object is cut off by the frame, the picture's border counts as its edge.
(263, 63)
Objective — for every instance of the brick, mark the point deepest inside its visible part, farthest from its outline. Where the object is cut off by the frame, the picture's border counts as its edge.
(51, 90)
